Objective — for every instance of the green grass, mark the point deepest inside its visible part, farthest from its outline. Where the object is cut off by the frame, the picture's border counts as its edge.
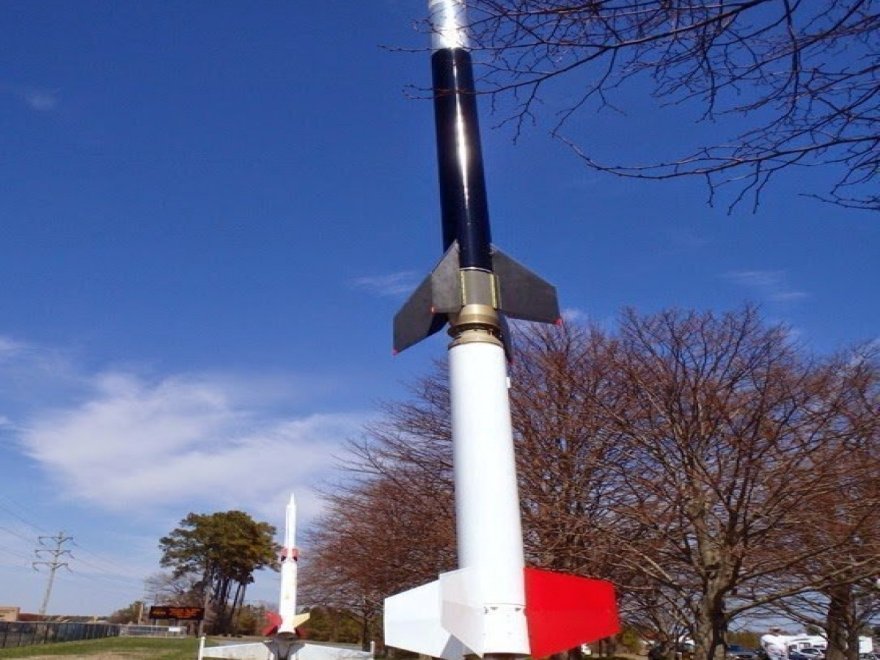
(134, 647)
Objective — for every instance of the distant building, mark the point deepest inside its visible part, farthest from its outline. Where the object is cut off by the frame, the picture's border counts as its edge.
(8, 613)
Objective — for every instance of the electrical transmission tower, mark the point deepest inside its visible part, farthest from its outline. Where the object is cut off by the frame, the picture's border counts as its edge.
(54, 562)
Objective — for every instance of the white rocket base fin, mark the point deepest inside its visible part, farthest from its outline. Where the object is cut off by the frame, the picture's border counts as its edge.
(448, 618)
(412, 622)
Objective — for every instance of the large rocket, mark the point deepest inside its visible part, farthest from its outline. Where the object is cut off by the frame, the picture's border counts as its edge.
(493, 604)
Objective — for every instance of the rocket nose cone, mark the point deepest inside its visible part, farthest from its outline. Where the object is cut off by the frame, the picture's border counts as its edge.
(448, 24)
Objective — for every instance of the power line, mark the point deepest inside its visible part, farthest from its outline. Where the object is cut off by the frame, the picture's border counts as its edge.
(109, 562)
(14, 553)
(14, 533)
(17, 516)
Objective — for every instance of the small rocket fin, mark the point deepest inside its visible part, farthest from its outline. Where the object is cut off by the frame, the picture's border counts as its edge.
(419, 317)
(524, 295)
(273, 621)
(564, 611)
(300, 619)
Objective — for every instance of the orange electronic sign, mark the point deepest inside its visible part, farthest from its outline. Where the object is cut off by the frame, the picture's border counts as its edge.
(177, 613)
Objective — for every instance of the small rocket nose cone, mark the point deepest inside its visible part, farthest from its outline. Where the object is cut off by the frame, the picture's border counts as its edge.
(290, 524)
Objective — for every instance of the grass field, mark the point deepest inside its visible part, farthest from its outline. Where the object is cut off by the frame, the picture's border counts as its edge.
(123, 648)
(112, 648)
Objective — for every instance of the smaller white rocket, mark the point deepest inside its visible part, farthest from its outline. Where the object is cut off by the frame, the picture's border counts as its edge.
(284, 640)
(287, 620)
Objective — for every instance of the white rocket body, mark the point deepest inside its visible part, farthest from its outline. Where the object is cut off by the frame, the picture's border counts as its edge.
(488, 527)
(287, 597)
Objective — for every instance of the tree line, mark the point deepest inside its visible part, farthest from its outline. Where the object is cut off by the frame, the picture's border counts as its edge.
(707, 464)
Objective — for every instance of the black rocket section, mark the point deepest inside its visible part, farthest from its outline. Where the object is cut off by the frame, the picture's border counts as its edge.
(465, 209)
(511, 289)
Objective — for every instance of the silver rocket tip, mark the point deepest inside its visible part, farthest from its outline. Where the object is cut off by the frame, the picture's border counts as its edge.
(290, 523)
(448, 24)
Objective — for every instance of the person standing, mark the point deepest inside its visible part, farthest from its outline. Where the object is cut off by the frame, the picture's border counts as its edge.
(774, 644)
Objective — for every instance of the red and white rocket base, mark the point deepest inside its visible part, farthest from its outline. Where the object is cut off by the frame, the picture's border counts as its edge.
(492, 604)
(561, 612)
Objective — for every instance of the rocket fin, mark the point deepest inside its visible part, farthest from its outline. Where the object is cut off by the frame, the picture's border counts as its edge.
(413, 622)
(524, 295)
(273, 621)
(424, 313)
(300, 619)
(416, 320)
(564, 611)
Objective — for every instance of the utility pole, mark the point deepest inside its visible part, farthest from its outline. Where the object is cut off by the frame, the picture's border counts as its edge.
(54, 562)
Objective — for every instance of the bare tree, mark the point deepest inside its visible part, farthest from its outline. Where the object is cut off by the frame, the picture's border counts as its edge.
(374, 541)
(662, 456)
(848, 599)
(801, 77)
(722, 414)
(170, 589)
(390, 527)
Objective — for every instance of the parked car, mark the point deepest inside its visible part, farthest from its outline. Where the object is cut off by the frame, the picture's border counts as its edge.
(737, 652)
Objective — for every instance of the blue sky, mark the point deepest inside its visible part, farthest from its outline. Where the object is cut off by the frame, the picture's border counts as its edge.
(209, 213)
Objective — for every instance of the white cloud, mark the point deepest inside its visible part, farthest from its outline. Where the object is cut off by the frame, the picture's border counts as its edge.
(10, 348)
(574, 315)
(41, 100)
(770, 285)
(136, 443)
(393, 284)
(32, 377)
